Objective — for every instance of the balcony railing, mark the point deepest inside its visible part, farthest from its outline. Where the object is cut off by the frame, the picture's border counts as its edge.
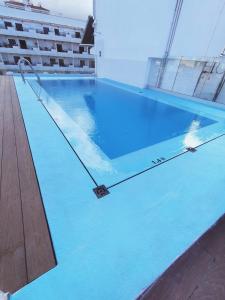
(202, 78)
(62, 34)
(52, 32)
(5, 45)
(45, 48)
(40, 31)
(49, 51)
(46, 64)
(31, 32)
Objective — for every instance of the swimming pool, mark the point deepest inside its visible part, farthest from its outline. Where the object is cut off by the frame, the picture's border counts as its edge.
(117, 133)
(115, 248)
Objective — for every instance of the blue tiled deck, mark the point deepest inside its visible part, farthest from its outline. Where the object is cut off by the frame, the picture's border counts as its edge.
(115, 247)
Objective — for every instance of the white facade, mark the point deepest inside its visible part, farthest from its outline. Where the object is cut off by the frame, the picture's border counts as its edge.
(129, 32)
(51, 43)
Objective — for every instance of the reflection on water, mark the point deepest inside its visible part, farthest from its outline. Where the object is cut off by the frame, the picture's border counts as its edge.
(104, 124)
(84, 120)
(191, 139)
(78, 131)
(116, 121)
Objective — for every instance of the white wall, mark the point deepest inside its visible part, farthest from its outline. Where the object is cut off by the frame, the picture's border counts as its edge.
(127, 32)
(200, 31)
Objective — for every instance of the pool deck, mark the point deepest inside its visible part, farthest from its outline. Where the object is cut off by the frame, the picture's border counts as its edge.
(115, 247)
(25, 245)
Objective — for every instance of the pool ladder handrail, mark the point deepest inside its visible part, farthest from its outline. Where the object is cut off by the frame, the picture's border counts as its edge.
(22, 60)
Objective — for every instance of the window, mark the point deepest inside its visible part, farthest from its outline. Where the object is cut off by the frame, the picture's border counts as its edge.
(16, 59)
(81, 49)
(45, 30)
(59, 48)
(77, 35)
(61, 62)
(12, 42)
(82, 63)
(56, 31)
(52, 61)
(23, 44)
(92, 64)
(8, 24)
(19, 27)
(28, 58)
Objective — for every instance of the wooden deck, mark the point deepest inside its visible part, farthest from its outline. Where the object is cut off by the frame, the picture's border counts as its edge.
(198, 274)
(25, 245)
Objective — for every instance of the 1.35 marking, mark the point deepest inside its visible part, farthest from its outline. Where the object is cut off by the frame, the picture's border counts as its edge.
(158, 160)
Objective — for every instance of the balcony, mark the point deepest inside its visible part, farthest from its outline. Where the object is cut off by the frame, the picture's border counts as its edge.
(60, 34)
(17, 50)
(43, 51)
(46, 67)
(51, 33)
(39, 34)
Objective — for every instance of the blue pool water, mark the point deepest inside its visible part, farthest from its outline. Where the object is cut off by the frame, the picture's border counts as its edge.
(118, 132)
(122, 122)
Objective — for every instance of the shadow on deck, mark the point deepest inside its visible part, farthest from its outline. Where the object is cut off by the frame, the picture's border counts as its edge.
(198, 274)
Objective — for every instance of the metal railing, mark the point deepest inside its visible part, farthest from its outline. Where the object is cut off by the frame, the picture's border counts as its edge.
(20, 62)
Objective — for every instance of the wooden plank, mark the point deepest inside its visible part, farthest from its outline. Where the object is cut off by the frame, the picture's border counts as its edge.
(198, 274)
(213, 241)
(13, 273)
(212, 285)
(2, 87)
(39, 252)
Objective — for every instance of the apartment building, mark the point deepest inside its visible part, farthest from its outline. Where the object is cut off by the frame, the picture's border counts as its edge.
(51, 43)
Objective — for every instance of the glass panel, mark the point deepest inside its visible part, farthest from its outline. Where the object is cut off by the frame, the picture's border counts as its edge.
(187, 76)
(209, 80)
(170, 74)
(154, 67)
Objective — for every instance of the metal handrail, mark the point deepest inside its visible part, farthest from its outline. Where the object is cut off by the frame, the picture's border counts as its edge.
(22, 60)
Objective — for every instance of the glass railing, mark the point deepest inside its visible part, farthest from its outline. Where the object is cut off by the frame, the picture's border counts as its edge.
(197, 78)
